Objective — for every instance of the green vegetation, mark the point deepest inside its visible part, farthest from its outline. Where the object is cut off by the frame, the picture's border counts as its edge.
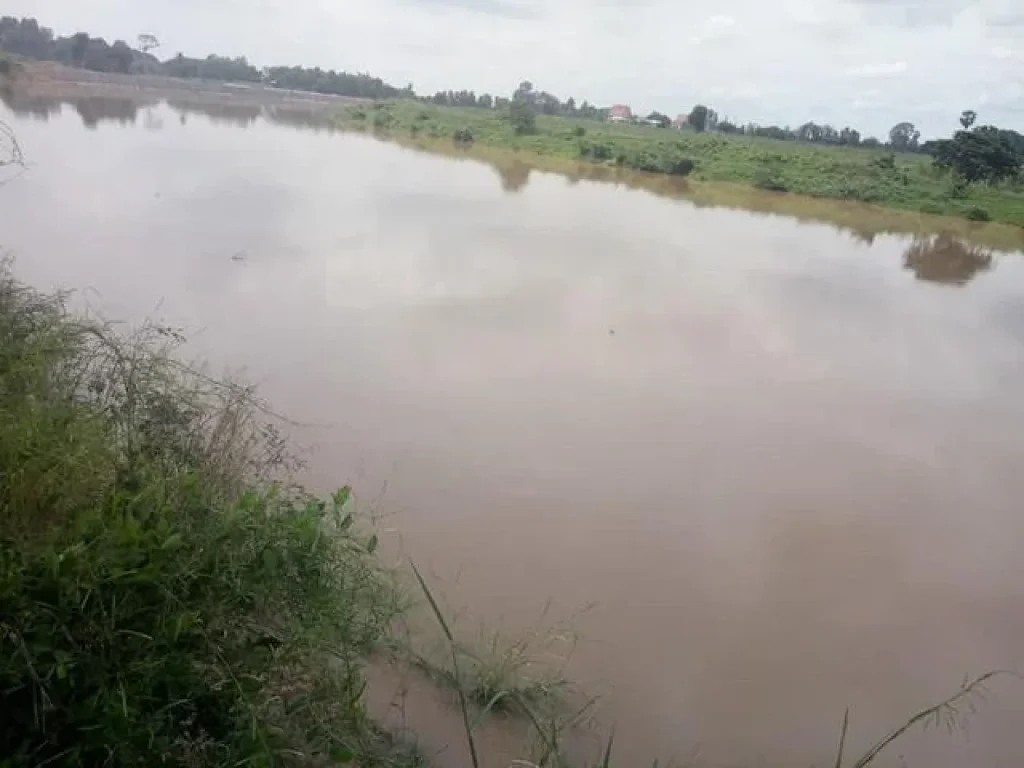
(906, 181)
(159, 603)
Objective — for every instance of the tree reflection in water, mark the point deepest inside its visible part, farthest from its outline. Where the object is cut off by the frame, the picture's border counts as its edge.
(945, 259)
(514, 175)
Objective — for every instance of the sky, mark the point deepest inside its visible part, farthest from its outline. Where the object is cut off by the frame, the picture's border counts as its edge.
(865, 63)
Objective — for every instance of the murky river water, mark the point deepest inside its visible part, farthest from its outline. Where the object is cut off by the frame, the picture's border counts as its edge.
(783, 461)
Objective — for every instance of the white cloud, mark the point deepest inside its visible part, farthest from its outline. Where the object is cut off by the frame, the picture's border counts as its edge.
(785, 62)
(888, 69)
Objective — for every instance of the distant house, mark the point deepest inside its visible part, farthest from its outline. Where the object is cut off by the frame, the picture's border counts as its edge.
(620, 113)
(681, 122)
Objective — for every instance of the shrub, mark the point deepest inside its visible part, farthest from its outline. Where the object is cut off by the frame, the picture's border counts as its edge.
(595, 151)
(978, 214)
(886, 161)
(579, 131)
(522, 117)
(463, 136)
(160, 605)
(681, 167)
(770, 180)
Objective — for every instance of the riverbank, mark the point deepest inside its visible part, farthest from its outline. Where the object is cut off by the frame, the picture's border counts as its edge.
(44, 79)
(906, 182)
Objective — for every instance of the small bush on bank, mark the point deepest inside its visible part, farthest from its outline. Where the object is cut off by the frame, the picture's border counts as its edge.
(978, 214)
(159, 605)
(463, 136)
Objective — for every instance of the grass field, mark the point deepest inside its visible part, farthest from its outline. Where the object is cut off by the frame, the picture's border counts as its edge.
(874, 176)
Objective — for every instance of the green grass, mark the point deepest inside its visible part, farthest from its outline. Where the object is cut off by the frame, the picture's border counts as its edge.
(873, 176)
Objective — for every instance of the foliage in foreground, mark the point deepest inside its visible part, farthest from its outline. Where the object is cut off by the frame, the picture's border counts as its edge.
(156, 608)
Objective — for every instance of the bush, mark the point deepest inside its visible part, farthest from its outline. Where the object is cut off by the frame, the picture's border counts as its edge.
(522, 117)
(978, 214)
(769, 179)
(886, 161)
(463, 136)
(595, 151)
(681, 167)
(579, 131)
(159, 604)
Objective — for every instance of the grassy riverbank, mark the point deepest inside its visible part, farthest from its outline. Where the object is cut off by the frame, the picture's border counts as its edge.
(161, 602)
(902, 181)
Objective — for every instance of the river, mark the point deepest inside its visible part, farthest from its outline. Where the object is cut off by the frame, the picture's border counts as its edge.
(766, 467)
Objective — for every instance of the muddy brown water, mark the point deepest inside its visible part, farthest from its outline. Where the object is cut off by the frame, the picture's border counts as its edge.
(783, 461)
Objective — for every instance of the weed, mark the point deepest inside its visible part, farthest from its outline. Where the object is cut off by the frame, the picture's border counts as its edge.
(976, 213)
(162, 602)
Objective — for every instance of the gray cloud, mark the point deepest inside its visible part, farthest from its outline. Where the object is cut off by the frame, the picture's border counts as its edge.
(867, 63)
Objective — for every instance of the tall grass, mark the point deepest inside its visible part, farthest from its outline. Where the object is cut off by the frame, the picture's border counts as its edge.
(161, 602)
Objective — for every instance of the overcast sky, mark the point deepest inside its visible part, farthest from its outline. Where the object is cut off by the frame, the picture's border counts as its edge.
(868, 63)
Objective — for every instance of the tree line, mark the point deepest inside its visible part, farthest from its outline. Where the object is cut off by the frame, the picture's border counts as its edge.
(26, 37)
(976, 153)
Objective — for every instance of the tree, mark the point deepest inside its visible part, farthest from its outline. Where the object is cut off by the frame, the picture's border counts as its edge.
(849, 137)
(663, 121)
(79, 47)
(698, 118)
(968, 118)
(904, 137)
(148, 42)
(522, 116)
(524, 92)
(984, 154)
(727, 127)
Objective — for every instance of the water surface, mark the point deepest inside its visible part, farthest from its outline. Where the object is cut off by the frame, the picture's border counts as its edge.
(783, 460)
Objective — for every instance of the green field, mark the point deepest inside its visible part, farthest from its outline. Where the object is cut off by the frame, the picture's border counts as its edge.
(874, 176)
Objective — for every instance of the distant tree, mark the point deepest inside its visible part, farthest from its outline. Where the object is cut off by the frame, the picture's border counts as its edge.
(663, 121)
(727, 127)
(148, 42)
(120, 57)
(985, 154)
(810, 132)
(871, 142)
(524, 92)
(570, 107)
(904, 137)
(523, 117)
(968, 118)
(849, 137)
(698, 118)
(485, 101)
(79, 48)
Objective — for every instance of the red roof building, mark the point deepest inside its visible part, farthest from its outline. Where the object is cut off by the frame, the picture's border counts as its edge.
(620, 112)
